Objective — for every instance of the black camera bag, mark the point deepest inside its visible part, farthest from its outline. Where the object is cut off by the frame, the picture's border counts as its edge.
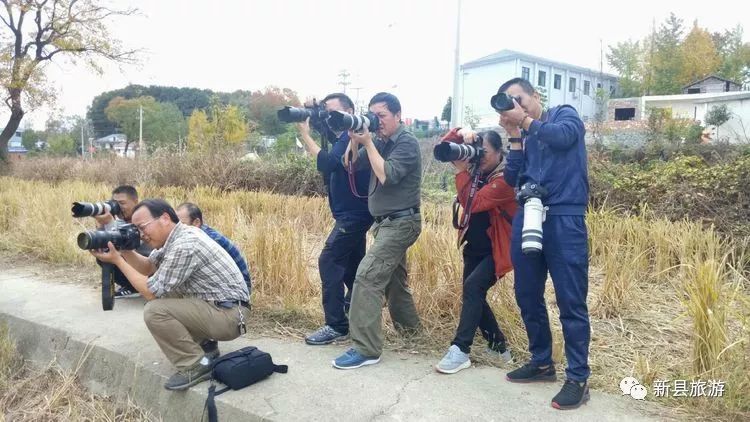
(237, 370)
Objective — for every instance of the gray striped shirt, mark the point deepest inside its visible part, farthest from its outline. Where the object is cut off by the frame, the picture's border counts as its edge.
(191, 264)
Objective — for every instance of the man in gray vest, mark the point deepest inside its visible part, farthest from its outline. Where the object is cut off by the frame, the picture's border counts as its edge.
(394, 198)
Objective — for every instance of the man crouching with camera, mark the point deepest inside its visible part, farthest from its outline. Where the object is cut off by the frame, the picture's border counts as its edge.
(547, 163)
(195, 291)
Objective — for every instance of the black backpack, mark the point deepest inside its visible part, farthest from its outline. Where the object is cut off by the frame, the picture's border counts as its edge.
(237, 370)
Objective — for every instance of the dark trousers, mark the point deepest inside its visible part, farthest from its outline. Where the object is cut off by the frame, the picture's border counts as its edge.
(565, 256)
(338, 264)
(479, 276)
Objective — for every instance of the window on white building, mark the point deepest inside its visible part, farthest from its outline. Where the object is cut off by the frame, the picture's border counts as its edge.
(525, 72)
(558, 81)
(542, 79)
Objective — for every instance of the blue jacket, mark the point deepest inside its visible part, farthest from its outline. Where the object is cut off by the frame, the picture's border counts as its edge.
(344, 205)
(554, 156)
(233, 252)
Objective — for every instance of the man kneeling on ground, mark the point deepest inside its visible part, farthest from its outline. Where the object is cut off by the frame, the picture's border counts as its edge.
(195, 291)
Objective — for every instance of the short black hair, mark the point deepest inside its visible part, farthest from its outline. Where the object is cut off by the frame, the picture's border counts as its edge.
(127, 190)
(523, 83)
(493, 138)
(343, 99)
(391, 101)
(193, 210)
(157, 207)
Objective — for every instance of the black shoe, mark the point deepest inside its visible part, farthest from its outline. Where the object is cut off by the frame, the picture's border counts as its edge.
(123, 293)
(572, 395)
(211, 349)
(532, 373)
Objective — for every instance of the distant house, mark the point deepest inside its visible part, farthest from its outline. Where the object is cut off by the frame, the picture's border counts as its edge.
(689, 106)
(16, 150)
(561, 82)
(116, 143)
(711, 83)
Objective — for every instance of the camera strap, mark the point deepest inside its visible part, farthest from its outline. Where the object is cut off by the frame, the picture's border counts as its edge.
(474, 187)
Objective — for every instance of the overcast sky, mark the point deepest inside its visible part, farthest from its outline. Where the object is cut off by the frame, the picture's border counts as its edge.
(405, 47)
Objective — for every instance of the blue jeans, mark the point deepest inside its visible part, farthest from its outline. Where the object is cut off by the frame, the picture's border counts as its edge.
(338, 264)
(565, 256)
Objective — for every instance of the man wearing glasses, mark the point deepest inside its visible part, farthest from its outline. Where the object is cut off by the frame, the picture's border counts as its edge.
(194, 289)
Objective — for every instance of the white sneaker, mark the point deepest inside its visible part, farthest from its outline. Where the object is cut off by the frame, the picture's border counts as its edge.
(453, 361)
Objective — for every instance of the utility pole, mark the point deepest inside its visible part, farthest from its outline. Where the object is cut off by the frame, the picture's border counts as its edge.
(83, 144)
(455, 101)
(357, 107)
(140, 131)
(344, 74)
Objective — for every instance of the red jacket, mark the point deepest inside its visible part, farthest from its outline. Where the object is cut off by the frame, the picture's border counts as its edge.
(495, 196)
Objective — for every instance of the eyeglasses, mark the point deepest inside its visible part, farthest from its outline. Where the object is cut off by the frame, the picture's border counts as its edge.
(143, 226)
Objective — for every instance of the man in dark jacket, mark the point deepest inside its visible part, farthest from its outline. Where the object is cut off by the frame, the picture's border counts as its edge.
(547, 149)
(345, 246)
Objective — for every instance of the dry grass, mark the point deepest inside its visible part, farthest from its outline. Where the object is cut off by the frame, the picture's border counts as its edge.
(669, 300)
(52, 394)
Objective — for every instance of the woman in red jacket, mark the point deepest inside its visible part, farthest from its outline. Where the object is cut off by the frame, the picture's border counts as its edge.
(486, 252)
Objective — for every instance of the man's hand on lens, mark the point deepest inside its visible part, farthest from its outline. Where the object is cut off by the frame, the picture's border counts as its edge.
(460, 165)
(304, 127)
(364, 138)
(513, 130)
(111, 256)
(103, 219)
(516, 115)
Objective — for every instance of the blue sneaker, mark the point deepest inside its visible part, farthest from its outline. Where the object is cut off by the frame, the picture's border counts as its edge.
(453, 361)
(325, 335)
(351, 359)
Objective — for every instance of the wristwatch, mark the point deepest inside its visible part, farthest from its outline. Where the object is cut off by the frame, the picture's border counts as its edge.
(515, 140)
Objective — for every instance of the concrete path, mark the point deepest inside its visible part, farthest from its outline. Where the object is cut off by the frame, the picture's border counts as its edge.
(51, 319)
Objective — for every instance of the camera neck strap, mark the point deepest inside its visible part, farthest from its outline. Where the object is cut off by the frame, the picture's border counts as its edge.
(463, 225)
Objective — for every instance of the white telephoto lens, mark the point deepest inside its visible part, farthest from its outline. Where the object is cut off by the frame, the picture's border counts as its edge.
(531, 235)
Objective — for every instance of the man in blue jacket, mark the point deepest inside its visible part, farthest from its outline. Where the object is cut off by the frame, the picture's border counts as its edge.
(548, 149)
(345, 246)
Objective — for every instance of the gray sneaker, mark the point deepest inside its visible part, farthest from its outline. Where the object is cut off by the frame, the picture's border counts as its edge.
(505, 356)
(325, 335)
(453, 361)
(182, 380)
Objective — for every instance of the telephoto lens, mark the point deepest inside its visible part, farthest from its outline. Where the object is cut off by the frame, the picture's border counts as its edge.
(531, 234)
(86, 209)
(124, 237)
(290, 114)
(450, 151)
(340, 121)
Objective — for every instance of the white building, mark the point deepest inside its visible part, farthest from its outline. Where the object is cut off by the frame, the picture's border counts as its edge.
(562, 83)
(116, 143)
(691, 106)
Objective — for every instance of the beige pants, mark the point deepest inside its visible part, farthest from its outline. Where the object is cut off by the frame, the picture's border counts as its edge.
(180, 325)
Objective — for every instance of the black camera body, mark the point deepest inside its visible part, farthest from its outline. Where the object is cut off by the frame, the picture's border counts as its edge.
(530, 190)
(86, 209)
(124, 237)
(503, 102)
(450, 150)
(340, 121)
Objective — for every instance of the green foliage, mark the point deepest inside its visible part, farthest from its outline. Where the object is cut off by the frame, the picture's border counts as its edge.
(285, 143)
(29, 138)
(264, 105)
(471, 119)
(446, 115)
(61, 144)
(163, 123)
(665, 61)
(718, 115)
(223, 127)
(664, 128)
(686, 186)
(185, 99)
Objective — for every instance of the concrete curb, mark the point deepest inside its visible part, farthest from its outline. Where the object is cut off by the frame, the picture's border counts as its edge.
(52, 320)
